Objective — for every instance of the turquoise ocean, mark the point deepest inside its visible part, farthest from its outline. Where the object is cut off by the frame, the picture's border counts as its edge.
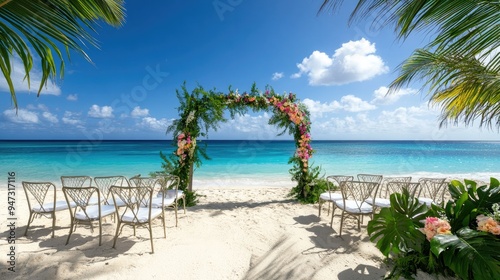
(251, 163)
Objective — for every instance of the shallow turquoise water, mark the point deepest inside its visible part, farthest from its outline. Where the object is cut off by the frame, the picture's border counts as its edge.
(252, 162)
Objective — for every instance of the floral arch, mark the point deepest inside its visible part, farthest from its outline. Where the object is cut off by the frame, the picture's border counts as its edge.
(203, 110)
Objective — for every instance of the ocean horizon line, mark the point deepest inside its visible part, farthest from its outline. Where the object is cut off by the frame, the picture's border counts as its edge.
(229, 140)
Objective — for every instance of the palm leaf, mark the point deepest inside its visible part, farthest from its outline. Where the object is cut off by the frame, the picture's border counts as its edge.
(460, 66)
(396, 229)
(47, 26)
(470, 254)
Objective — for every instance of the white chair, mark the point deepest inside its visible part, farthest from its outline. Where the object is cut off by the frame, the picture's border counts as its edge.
(76, 181)
(370, 178)
(433, 190)
(41, 197)
(168, 194)
(333, 191)
(165, 191)
(353, 203)
(104, 183)
(391, 187)
(171, 184)
(86, 211)
(138, 210)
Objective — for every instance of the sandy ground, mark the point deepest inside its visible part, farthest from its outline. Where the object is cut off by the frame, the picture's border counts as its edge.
(240, 233)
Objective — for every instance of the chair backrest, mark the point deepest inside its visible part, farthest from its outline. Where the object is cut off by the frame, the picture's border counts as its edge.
(413, 188)
(168, 182)
(81, 197)
(143, 181)
(358, 191)
(336, 180)
(104, 183)
(433, 188)
(76, 181)
(384, 191)
(370, 178)
(134, 198)
(38, 194)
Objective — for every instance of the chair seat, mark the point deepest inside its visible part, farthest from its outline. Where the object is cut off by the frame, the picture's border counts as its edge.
(379, 202)
(49, 206)
(93, 212)
(426, 200)
(351, 206)
(157, 201)
(330, 196)
(141, 215)
(172, 192)
(119, 202)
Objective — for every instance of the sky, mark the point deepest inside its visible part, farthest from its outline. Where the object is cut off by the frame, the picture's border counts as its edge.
(339, 71)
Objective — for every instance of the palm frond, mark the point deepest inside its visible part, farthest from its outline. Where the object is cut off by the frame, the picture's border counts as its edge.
(466, 89)
(45, 26)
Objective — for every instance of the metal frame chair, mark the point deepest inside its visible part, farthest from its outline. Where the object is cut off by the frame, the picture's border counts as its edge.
(138, 210)
(391, 187)
(433, 190)
(331, 195)
(104, 183)
(86, 210)
(41, 197)
(76, 181)
(353, 203)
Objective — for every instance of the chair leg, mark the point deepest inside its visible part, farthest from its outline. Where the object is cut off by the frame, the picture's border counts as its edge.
(341, 223)
(116, 234)
(30, 219)
(359, 223)
(164, 222)
(319, 211)
(100, 231)
(53, 223)
(328, 213)
(70, 231)
(184, 204)
(175, 208)
(151, 237)
(331, 222)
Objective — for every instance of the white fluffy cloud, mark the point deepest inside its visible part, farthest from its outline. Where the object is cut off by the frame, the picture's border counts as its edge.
(352, 103)
(155, 124)
(71, 118)
(317, 109)
(137, 112)
(355, 61)
(21, 85)
(72, 97)
(22, 116)
(96, 111)
(50, 117)
(381, 97)
(278, 75)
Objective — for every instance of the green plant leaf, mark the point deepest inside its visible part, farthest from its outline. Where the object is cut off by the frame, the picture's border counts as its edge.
(396, 229)
(470, 254)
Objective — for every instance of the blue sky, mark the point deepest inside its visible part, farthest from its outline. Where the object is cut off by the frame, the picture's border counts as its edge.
(340, 72)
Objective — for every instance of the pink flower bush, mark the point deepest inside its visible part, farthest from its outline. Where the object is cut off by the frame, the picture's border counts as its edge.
(434, 226)
(185, 146)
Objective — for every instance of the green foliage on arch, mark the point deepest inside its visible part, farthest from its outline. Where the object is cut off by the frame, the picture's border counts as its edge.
(202, 110)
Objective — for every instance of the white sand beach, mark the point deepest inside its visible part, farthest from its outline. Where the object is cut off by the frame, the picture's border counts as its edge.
(237, 233)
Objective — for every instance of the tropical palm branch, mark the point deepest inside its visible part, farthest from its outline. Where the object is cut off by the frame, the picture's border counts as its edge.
(46, 27)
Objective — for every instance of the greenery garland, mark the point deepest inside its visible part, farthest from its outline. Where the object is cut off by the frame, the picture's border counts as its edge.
(203, 110)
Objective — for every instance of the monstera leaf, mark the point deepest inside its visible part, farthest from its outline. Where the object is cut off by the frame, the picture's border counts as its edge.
(469, 200)
(396, 229)
(470, 254)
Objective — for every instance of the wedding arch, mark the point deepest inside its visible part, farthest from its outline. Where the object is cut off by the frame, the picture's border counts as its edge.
(202, 110)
